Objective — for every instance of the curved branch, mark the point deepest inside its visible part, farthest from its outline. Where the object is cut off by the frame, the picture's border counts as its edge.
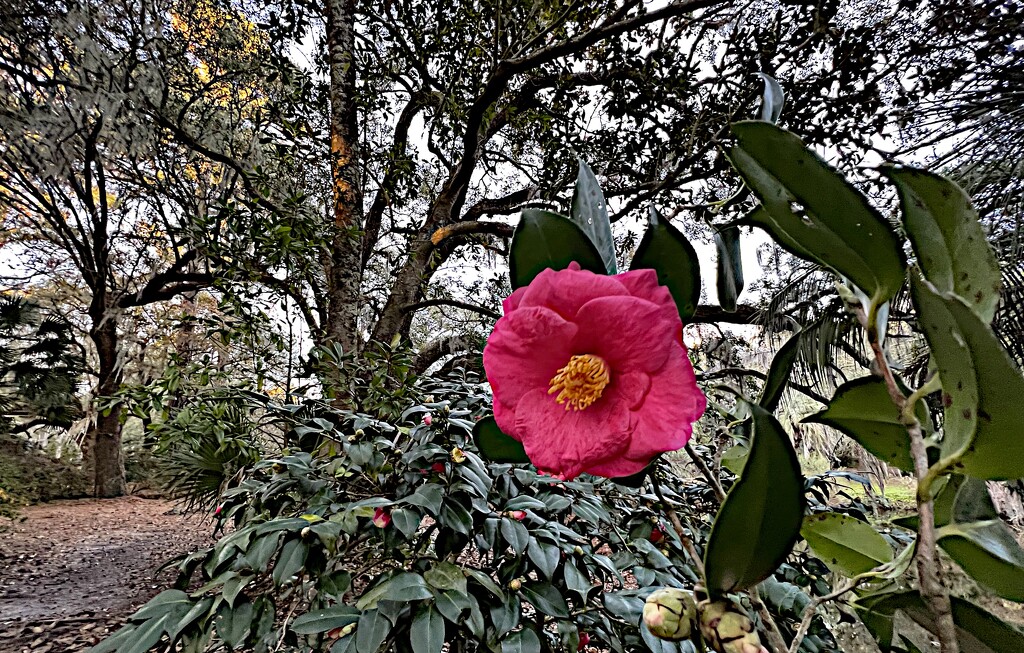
(486, 312)
(434, 350)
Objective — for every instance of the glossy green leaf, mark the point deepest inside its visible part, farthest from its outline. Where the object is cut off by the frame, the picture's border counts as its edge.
(522, 641)
(811, 210)
(590, 213)
(760, 519)
(452, 604)
(122, 636)
(506, 614)
(320, 621)
(982, 632)
(545, 556)
(548, 240)
(989, 553)
(977, 630)
(446, 576)
(863, 410)
(234, 624)
(981, 387)
(405, 586)
(778, 373)
(973, 502)
(772, 99)
(163, 603)
(495, 445)
(515, 534)
(291, 560)
(546, 598)
(577, 581)
(949, 241)
(427, 632)
(735, 457)
(406, 521)
(372, 629)
(666, 250)
(845, 544)
(730, 267)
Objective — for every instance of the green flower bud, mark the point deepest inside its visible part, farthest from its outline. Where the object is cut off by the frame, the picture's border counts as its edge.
(727, 628)
(515, 584)
(670, 614)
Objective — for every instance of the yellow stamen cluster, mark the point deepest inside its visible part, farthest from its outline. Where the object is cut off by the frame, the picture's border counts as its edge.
(581, 382)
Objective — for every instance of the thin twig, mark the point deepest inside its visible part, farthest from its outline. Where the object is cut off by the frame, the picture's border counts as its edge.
(810, 611)
(934, 593)
(677, 526)
(707, 473)
(775, 638)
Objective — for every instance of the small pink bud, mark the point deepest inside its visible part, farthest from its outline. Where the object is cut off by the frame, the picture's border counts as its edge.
(217, 511)
(381, 518)
(428, 419)
(518, 515)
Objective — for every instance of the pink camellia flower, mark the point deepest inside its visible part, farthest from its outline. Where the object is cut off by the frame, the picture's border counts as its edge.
(428, 419)
(381, 518)
(438, 467)
(590, 372)
(584, 640)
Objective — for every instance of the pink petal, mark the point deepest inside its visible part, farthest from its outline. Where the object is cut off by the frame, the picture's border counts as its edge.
(630, 333)
(511, 302)
(618, 467)
(527, 347)
(565, 291)
(672, 405)
(566, 442)
(629, 387)
(644, 284)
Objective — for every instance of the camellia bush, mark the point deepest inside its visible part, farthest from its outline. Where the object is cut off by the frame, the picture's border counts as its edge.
(548, 520)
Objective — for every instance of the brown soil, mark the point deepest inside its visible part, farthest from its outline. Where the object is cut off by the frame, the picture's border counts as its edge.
(70, 571)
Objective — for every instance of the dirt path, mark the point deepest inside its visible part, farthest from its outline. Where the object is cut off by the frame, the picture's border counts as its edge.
(72, 570)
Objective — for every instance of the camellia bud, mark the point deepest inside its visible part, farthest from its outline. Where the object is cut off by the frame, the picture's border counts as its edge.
(338, 633)
(458, 455)
(727, 628)
(518, 515)
(428, 419)
(352, 438)
(305, 532)
(670, 614)
(584, 640)
(360, 433)
(445, 409)
(657, 535)
(515, 584)
(438, 467)
(381, 518)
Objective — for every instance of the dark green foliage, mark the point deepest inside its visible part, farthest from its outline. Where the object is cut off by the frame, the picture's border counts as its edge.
(338, 536)
(41, 365)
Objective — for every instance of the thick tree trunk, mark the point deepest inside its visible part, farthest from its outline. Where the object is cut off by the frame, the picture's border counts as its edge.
(344, 270)
(103, 462)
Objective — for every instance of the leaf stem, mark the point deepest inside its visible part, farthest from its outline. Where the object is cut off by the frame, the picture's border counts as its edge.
(709, 476)
(934, 593)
